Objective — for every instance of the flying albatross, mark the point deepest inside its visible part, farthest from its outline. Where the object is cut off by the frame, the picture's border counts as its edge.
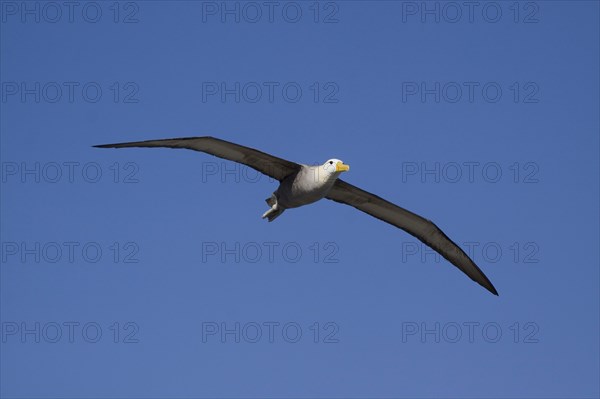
(303, 184)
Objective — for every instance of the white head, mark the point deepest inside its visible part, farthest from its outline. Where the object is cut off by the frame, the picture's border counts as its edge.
(335, 167)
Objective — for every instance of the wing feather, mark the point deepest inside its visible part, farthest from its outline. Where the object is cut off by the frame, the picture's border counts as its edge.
(413, 224)
(270, 165)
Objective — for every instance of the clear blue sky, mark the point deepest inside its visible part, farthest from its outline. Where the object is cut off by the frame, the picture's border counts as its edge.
(485, 121)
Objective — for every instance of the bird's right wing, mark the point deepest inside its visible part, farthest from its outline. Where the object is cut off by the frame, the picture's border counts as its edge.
(413, 224)
(270, 165)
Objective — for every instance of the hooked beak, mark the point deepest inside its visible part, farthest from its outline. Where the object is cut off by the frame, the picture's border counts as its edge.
(341, 167)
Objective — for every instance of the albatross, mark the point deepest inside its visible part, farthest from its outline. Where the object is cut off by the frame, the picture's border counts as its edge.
(301, 185)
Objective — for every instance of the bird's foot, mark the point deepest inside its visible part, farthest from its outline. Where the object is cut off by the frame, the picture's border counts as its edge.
(272, 213)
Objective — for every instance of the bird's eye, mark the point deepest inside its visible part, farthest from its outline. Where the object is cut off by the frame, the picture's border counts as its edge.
(330, 162)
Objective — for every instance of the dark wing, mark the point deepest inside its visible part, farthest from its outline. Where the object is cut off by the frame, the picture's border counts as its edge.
(271, 166)
(413, 224)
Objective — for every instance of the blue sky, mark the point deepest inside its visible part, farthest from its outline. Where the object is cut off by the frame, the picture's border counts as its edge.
(149, 273)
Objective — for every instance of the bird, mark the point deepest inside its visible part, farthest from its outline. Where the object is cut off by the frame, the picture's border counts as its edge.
(301, 184)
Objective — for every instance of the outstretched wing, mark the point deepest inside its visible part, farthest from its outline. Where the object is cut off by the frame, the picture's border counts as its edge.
(270, 165)
(413, 224)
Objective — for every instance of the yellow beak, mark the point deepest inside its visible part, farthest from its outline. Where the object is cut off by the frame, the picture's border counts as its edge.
(341, 167)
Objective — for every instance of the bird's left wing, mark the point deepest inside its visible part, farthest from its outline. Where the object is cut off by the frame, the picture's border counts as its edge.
(270, 165)
(413, 224)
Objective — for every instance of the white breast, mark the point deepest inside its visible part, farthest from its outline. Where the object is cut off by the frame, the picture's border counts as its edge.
(310, 184)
